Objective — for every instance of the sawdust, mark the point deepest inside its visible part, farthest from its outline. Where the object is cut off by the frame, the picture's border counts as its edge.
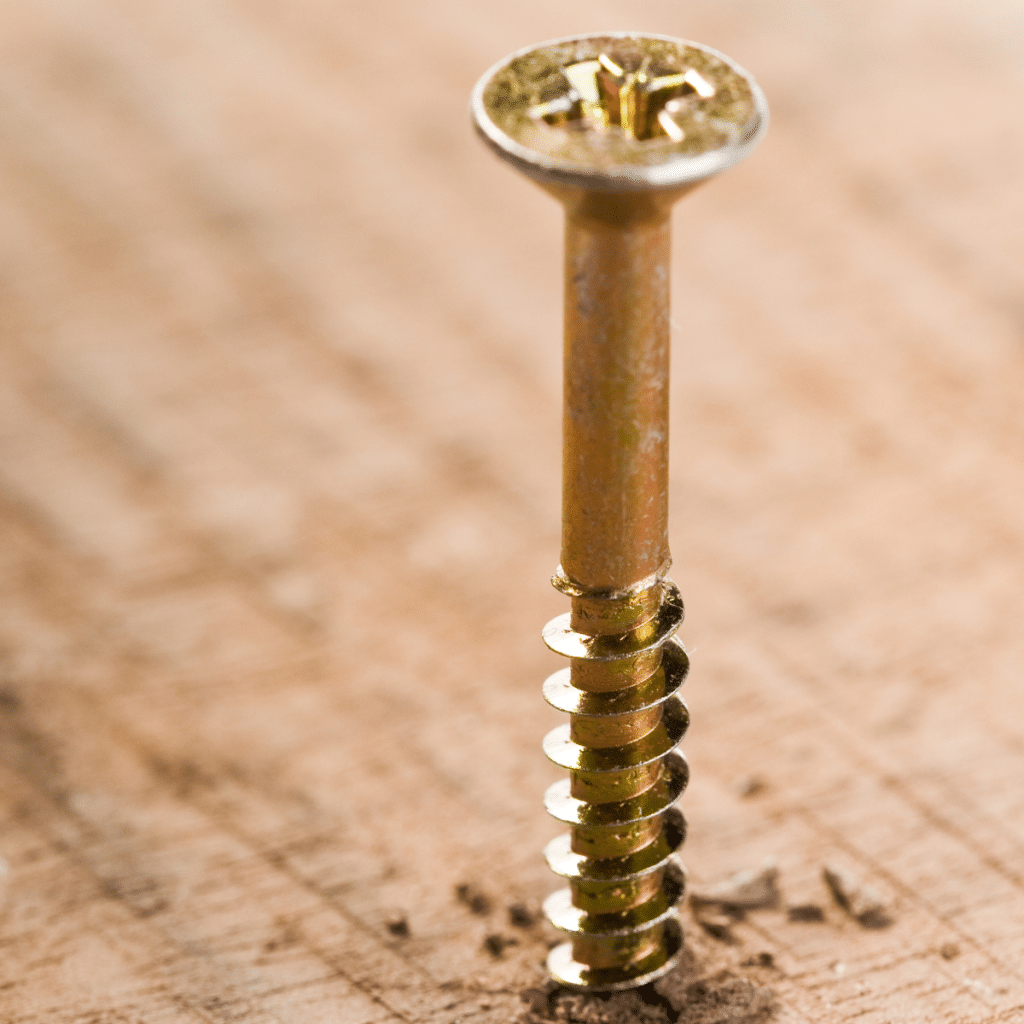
(521, 916)
(474, 897)
(747, 786)
(762, 959)
(397, 924)
(495, 944)
(678, 998)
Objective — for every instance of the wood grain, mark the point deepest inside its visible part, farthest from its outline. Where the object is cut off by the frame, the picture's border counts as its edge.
(279, 464)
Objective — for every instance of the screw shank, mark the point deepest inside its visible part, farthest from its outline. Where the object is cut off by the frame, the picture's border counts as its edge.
(615, 427)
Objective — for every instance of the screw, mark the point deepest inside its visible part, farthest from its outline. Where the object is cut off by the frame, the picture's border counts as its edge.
(617, 127)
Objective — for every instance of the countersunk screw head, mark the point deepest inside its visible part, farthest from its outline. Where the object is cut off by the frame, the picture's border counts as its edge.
(619, 111)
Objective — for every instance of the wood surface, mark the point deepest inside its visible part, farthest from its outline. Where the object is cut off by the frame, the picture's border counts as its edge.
(279, 469)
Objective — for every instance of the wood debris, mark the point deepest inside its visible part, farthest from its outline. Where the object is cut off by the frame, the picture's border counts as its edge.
(864, 904)
(805, 912)
(746, 890)
(476, 899)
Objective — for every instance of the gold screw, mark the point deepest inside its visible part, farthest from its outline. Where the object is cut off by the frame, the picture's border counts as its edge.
(617, 127)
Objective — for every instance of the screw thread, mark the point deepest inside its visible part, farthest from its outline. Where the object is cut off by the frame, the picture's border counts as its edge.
(625, 774)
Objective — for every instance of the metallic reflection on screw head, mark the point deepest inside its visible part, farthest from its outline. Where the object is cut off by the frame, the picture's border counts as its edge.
(619, 111)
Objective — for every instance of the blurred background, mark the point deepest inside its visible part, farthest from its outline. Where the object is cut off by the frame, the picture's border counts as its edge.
(279, 471)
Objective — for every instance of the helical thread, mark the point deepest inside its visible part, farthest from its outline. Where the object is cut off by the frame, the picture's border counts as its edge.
(625, 721)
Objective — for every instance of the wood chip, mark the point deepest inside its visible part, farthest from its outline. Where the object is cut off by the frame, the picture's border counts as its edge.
(805, 912)
(864, 904)
(746, 890)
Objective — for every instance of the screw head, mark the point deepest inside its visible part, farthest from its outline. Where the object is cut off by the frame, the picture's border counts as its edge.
(619, 112)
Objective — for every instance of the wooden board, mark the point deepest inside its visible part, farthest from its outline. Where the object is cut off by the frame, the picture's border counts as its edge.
(279, 408)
